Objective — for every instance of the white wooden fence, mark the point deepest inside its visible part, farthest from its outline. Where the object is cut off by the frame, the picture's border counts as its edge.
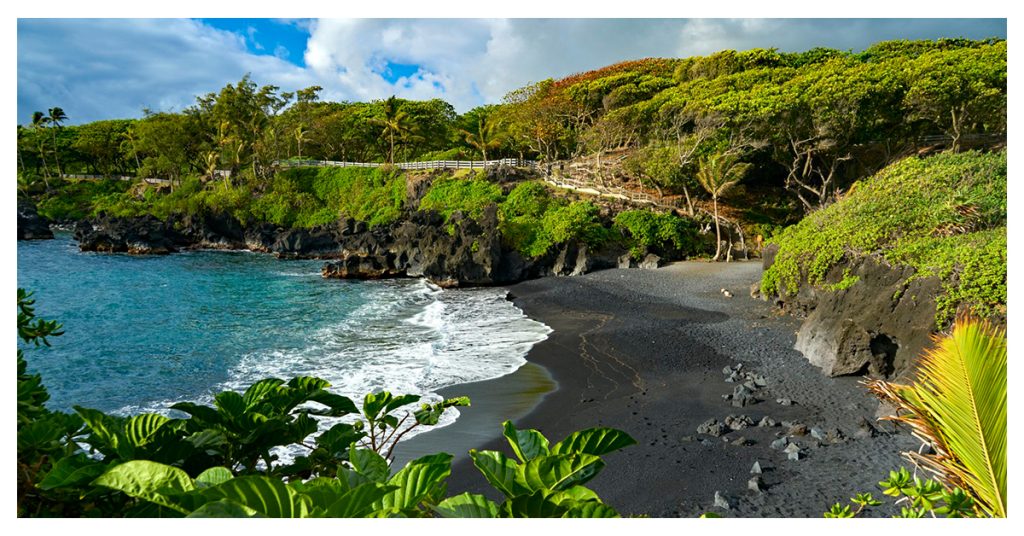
(430, 164)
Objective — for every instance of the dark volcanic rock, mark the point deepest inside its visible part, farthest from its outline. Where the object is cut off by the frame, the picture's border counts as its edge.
(214, 231)
(32, 226)
(878, 325)
(138, 236)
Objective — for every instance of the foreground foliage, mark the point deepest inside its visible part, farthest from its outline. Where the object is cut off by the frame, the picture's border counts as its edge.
(223, 460)
(957, 406)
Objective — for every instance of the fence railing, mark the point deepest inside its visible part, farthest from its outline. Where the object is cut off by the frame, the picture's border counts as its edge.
(150, 180)
(430, 164)
(592, 188)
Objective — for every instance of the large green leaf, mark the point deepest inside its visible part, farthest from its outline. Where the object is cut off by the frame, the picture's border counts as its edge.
(213, 476)
(400, 401)
(535, 505)
(322, 491)
(72, 471)
(369, 464)
(467, 505)
(338, 406)
(416, 481)
(107, 430)
(526, 444)
(594, 441)
(589, 509)
(149, 481)
(268, 496)
(230, 403)
(959, 403)
(337, 439)
(359, 501)
(199, 412)
(141, 429)
(224, 508)
(308, 384)
(500, 471)
(257, 391)
(559, 471)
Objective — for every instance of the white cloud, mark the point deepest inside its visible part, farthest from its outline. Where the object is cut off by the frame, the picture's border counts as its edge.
(97, 69)
(112, 68)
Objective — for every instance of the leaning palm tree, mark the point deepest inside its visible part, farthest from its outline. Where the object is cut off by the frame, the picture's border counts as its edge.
(396, 124)
(56, 117)
(717, 174)
(39, 122)
(486, 135)
(957, 406)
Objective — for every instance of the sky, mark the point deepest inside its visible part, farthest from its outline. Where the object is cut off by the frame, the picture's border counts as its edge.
(114, 68)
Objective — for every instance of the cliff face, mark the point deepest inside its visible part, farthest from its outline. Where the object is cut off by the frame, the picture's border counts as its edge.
(459, 252)
(878, 325)
(32, 226)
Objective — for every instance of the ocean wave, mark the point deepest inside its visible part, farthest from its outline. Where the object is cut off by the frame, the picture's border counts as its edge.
(407, 337)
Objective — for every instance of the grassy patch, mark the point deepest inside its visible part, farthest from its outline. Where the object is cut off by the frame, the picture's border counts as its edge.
(944, 215)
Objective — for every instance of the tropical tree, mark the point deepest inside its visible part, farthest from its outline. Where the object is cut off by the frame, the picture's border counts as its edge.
(395, 124)
(39, 122)
(55, 117)
(485, 134)
(959, 89)
(717, 174)
(957, 406)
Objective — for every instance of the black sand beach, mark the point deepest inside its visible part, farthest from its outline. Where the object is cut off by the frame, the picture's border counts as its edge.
(644, 351)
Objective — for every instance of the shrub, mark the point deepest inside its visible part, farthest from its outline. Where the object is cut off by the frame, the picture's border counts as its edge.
(469, 195)
(659, 231)
(944, 215)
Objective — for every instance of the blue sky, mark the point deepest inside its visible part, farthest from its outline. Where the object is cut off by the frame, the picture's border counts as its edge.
(114, 68)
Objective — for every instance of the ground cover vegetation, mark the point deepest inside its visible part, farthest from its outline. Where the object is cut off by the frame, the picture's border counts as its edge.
(945, 215)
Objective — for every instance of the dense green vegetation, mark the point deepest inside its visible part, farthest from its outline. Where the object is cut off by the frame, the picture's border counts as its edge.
(945, 215)
(300, 197)
(807, 123)
(220, 461)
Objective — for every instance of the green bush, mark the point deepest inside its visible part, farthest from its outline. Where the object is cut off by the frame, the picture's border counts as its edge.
(468, 195)
(532, 221)
(647, 230)
(944, 215)
(73, 199)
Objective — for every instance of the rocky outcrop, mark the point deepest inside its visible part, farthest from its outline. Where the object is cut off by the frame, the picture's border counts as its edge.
(877, 326)
(138, 236)
(459, 251)
(32, 226)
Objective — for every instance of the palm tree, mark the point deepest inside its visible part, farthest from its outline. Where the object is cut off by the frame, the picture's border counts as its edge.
(957, 406)
(717, 174)
(39, 122)
(56, 117)
(395, 124)
(486, 135)
(300, 134)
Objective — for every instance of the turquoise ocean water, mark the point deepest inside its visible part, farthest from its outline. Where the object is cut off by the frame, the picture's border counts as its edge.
(145, 332)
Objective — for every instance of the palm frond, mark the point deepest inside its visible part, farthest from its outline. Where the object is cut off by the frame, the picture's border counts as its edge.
(957, 405)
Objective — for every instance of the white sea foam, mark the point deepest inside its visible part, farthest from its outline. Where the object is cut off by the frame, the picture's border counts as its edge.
(408, 338)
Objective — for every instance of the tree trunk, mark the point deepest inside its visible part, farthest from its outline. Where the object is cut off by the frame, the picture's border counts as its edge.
(718, 230)
(689, 202)
(56, 157)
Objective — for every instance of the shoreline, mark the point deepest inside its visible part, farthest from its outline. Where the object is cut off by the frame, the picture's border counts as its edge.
(643, 351)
